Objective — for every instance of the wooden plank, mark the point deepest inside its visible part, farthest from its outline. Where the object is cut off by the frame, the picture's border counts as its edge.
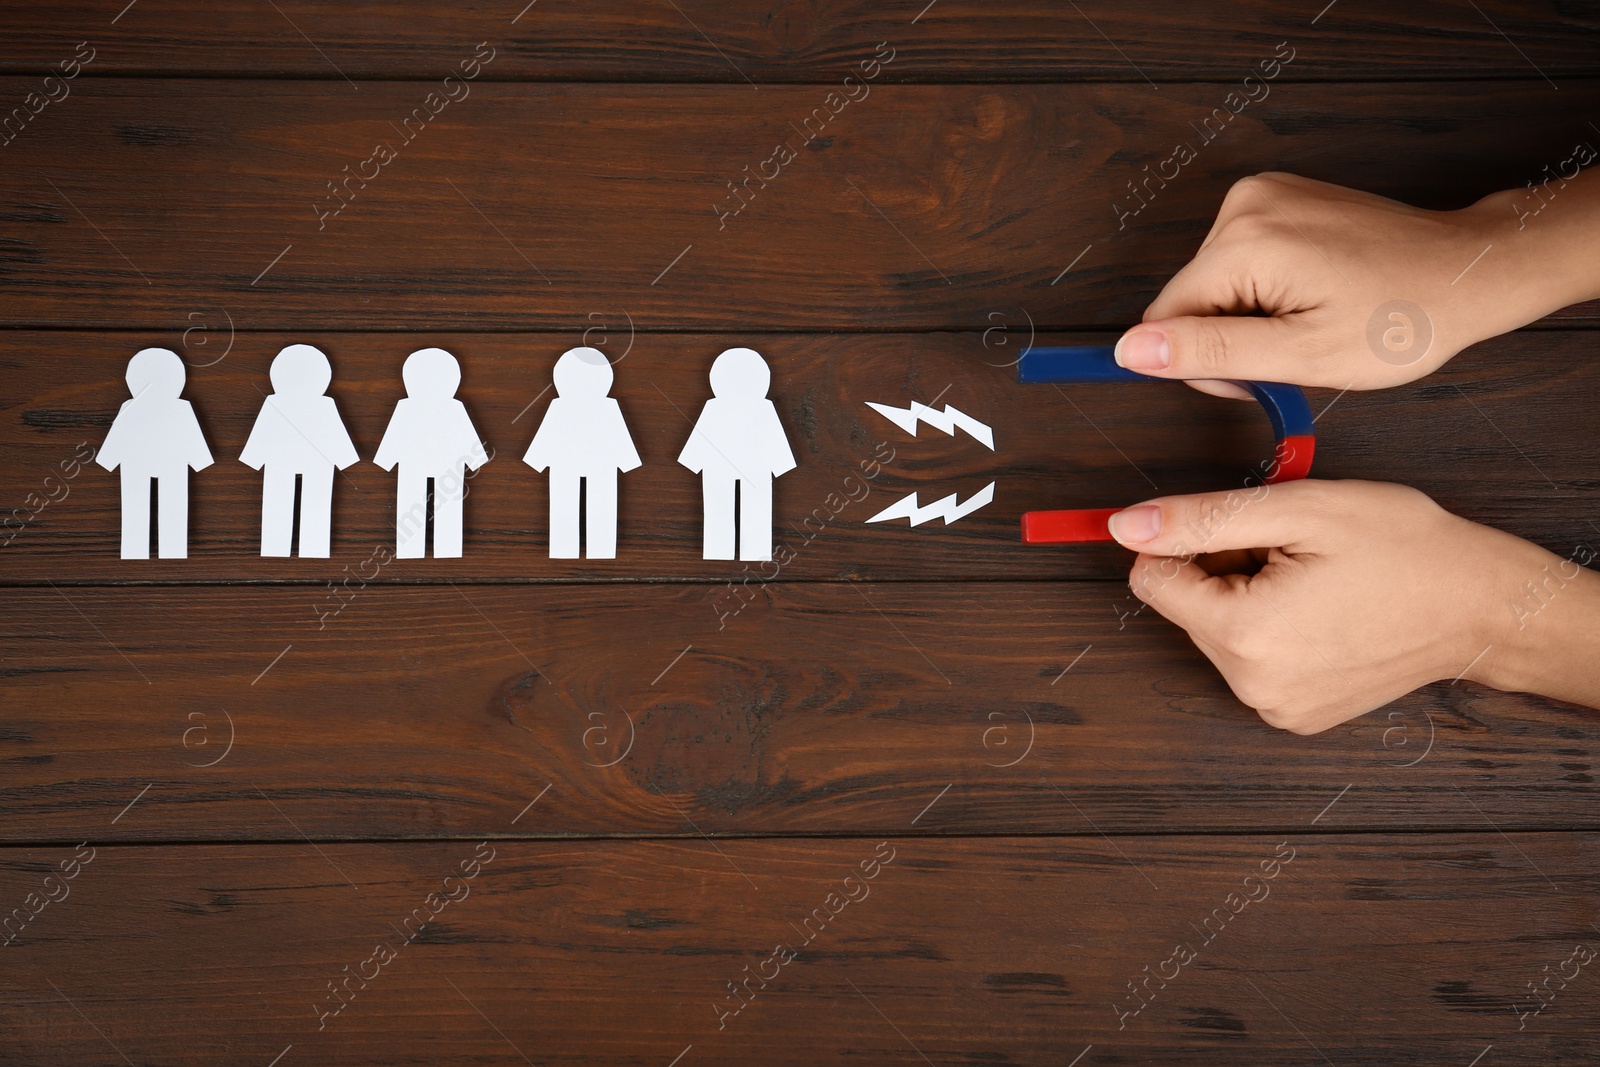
(1467, 435)
(1302, 949)
(143, 202)
(252, 713)
(704, 40)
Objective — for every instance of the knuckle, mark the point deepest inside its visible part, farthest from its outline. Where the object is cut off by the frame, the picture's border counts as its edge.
(1236, 635)
(1245, 194)
(1208, 348)
(1272, 716)
(1283, 718)
(1143, 580)
(1281, 178)
(1231, 198)
(1238, 195)
(1407, 496)
(1200, 518)
(1253, 644)
(1252, 227)
(1255, 691)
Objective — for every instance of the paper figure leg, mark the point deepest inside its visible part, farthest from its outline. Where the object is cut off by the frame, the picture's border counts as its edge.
(135, 516)
(172, 516)
(277, 511)
(600, 516)
(411, 516)
(563, 514)
(755, 518)
(449, 499)
(718, 537)
(316, 513)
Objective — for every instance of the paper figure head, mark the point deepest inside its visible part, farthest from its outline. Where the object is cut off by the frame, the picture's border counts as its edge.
(156, 373)
(301, 370)
(740, 374)
(583, 372)
(431, 373)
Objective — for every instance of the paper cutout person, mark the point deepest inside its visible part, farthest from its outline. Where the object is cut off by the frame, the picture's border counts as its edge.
(584, 442)
(431, 439)
(298, 434)
(738, 444)
(155, 436)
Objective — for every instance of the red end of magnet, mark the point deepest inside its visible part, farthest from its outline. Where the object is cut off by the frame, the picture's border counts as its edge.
(1067, 527)
(1291, 460)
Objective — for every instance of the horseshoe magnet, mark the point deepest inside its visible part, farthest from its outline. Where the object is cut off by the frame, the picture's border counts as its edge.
(1286, 407)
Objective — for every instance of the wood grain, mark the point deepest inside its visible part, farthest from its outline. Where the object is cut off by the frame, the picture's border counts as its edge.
(1035, 707)
(141, 203)
(1409, 950)
(711, 41)
(659, 769)
(1504, 435)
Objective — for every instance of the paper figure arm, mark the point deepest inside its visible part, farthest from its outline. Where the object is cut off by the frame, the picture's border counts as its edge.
(196, 453)
(388, 453)
(694, 454)
(776, 448)
(472, 454)
(541, 450)
(623, 449)
(255, 447)
(341, 450)
(110, 454)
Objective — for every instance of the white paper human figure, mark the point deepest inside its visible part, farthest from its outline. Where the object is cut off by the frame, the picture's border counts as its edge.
(155, 436)
(584, 442)
(298, 434)
(738, 442)
(430, 438)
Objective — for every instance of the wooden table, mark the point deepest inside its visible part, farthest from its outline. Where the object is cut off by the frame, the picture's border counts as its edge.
(919, 795)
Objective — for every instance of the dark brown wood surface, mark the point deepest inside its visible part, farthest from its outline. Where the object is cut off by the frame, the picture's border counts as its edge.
(272, 764)
(1003, 949)
(165, 204)
(817, 41)
(1041, 707)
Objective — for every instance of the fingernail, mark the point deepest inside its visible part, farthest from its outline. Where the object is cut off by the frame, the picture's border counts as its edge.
(1137, 524)
(1143, 350)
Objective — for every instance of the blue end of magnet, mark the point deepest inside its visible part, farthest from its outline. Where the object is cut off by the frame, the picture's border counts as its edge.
(1286, 405)
(1074, 363)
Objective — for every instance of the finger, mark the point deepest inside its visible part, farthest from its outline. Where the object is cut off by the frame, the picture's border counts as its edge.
(1291, 516)
(1241, 347)
(1251, 261)
(1219, 387)
(1246, 195)
(1220, 280)
(1186, 595)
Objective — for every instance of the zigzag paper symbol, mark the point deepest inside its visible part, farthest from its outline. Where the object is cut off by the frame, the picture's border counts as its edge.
(948, 420)
(946, 508)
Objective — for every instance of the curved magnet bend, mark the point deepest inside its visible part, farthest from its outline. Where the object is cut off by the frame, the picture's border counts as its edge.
(1286, 407)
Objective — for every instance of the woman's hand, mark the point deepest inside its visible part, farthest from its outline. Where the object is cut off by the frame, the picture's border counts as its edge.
(1309, 283)
(1321, 600)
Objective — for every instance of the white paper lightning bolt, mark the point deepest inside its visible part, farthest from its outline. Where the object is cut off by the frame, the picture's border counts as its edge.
(948, 420)
(946, 508)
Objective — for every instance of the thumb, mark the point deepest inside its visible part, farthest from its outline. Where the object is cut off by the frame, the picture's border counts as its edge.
(1291, 516)
(1248, 347)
